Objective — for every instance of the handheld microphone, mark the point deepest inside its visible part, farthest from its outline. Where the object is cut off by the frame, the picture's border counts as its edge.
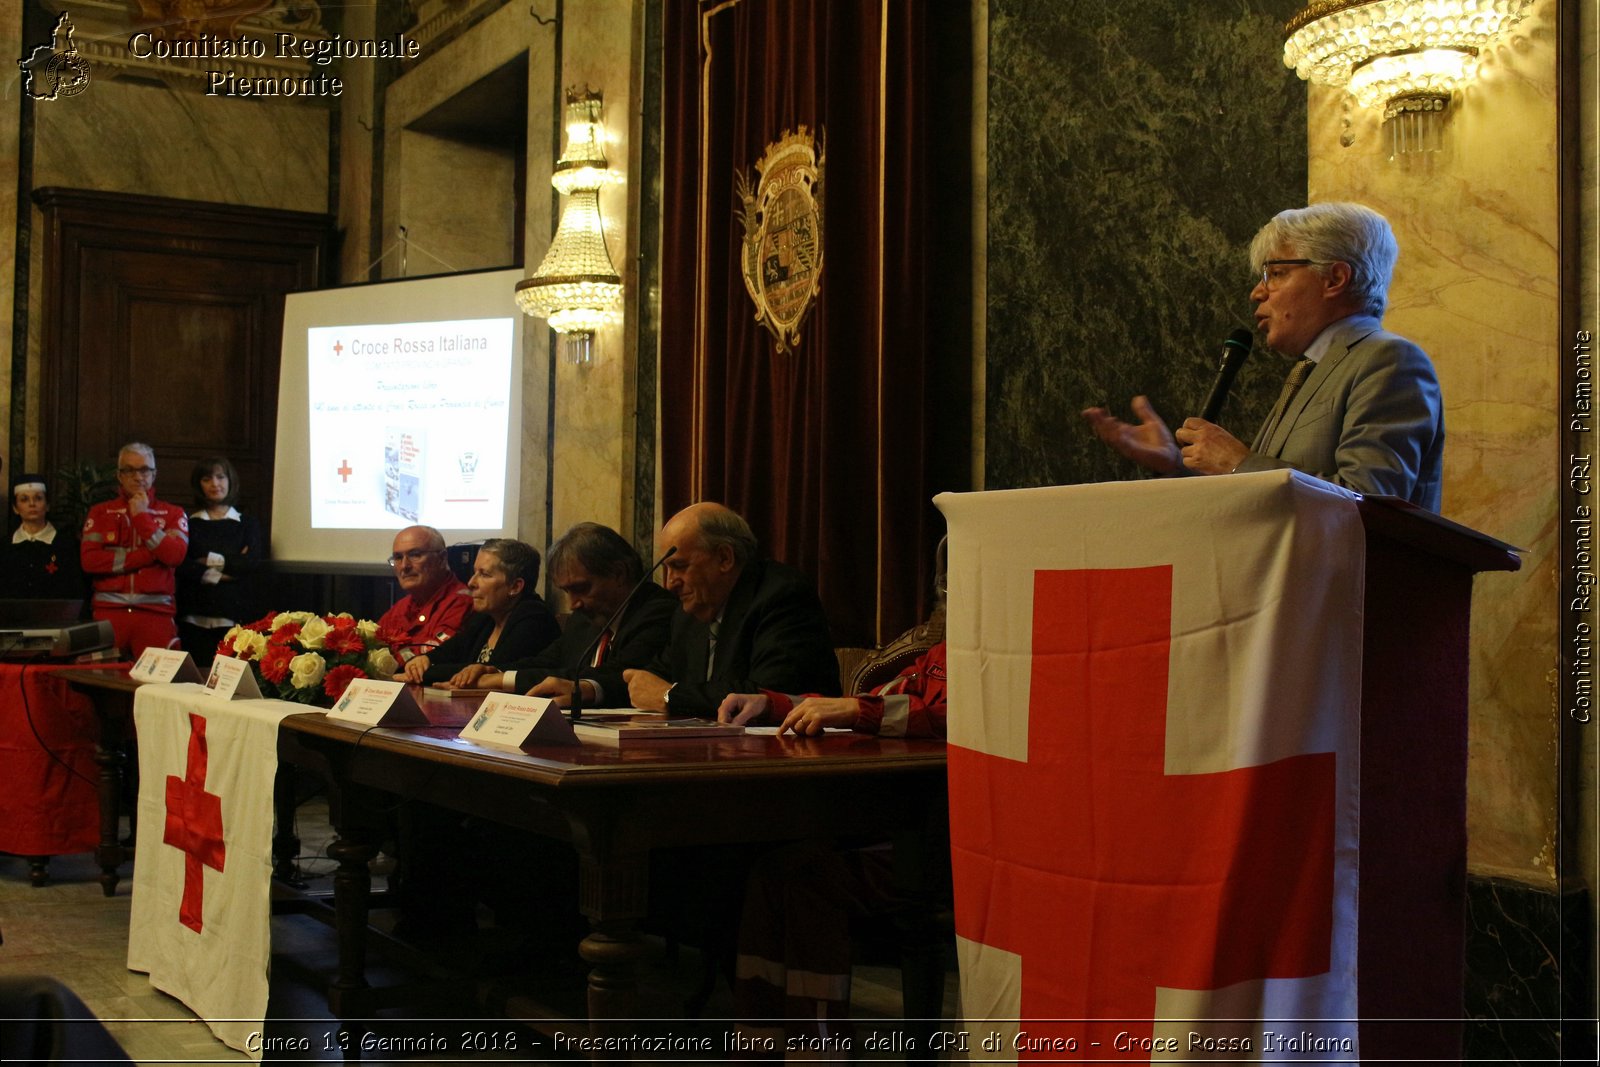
(577, 668)
(1235, 350)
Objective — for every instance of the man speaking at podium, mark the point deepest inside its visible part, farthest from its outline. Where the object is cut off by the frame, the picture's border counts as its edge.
(1361, 406)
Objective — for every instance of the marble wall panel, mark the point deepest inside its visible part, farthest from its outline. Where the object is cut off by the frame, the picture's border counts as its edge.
(448, 201)
(593, 469)
(1476, 286)
(455, 200)
(457, 204)
(136, 137)
(1133, 150)
(1523, 995)
(358, 121)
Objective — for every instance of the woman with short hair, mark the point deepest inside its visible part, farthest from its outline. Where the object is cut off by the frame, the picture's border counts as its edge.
(510, 621)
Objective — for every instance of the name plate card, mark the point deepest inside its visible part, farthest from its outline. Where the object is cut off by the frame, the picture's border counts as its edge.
(165, 665)
(371, 702)
(232, 679)
(512, 723)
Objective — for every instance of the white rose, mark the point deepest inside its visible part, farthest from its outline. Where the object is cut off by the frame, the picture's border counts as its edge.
(250, 645)
(284, 618)
(367, 629)
(381, 663)
(306, 670)
(312, 633)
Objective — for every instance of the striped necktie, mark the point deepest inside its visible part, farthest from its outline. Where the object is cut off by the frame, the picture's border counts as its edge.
(711, 648)
(1291, 385)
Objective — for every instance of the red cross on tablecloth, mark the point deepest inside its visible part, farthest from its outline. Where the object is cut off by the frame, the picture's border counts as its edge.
(1108, 876)
(194, 825)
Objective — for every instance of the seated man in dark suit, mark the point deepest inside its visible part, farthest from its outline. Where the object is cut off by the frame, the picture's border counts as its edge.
(596, 568)
(747, 624)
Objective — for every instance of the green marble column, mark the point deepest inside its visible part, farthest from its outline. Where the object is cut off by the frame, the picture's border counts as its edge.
(1134, 148)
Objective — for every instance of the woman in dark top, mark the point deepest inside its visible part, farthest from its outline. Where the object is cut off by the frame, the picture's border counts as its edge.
(215, 587)
(39, 562)
(510, 622)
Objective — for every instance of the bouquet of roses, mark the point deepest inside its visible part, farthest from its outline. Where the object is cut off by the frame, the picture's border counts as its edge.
(310, 658)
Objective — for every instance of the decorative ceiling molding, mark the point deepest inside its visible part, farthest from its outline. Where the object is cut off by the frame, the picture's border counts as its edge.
(438, 22)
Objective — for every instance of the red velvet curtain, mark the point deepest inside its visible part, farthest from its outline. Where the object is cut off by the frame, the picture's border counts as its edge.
(824, 448)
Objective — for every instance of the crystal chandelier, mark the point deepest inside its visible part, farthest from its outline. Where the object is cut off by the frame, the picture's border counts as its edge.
(576, 287)
(1408, 56)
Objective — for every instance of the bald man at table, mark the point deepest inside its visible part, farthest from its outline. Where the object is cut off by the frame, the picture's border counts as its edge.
(745, 623)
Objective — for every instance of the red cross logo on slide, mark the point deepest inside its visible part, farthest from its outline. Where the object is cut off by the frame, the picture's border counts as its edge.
(194, 825)
(1108, 876)
(344, 470)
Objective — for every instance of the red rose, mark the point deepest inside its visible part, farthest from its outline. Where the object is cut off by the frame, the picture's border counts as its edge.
(275, 662)
(336, 681)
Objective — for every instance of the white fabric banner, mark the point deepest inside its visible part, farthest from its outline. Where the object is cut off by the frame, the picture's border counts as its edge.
(1154, 714)
(202, 897)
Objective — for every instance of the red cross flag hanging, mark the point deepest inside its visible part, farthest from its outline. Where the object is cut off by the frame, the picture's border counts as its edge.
(1154, 692)
(201, 909)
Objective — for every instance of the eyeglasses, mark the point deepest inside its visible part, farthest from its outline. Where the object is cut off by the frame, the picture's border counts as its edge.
(1274, 271)
(416, 555)
(137, 472)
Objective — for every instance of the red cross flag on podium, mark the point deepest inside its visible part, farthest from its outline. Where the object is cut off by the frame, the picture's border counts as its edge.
(201, 910)
(1154, 692)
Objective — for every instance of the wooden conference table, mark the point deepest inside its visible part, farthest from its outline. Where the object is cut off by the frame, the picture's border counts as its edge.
(615, 805)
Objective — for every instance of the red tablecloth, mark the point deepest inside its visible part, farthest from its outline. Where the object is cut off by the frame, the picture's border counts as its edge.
(48, 803)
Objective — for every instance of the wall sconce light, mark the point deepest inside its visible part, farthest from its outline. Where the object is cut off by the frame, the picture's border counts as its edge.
(1407, 55)
(576, 287)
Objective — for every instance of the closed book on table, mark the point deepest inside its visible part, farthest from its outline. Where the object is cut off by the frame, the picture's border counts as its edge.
(629, 731)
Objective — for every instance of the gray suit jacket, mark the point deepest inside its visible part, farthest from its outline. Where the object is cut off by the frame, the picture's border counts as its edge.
(1368, 418)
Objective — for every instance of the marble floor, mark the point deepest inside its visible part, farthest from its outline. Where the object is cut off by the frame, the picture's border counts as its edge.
(70, 931)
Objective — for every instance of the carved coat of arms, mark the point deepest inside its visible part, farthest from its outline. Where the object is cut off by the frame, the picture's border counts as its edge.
(781, 259)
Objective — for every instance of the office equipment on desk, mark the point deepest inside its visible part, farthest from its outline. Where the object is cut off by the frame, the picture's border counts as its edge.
(55, 642)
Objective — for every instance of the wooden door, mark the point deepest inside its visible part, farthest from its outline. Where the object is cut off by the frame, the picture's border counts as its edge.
(162, 322)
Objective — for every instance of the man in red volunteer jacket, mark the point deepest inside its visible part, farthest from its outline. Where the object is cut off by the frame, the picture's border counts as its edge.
(436, 602)
(131, 547)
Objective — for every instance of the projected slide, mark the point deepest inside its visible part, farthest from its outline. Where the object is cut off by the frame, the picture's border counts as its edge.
(409, 423)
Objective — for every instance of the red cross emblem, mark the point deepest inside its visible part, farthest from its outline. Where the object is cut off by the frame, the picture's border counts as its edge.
(194, 825)
(345, 471)
(338, 347)
(1108, 876)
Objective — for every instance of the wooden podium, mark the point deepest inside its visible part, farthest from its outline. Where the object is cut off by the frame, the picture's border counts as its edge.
(1414, 774)
(1207, 762)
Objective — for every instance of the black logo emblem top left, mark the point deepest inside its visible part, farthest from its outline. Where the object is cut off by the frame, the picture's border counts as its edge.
(55, 70)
